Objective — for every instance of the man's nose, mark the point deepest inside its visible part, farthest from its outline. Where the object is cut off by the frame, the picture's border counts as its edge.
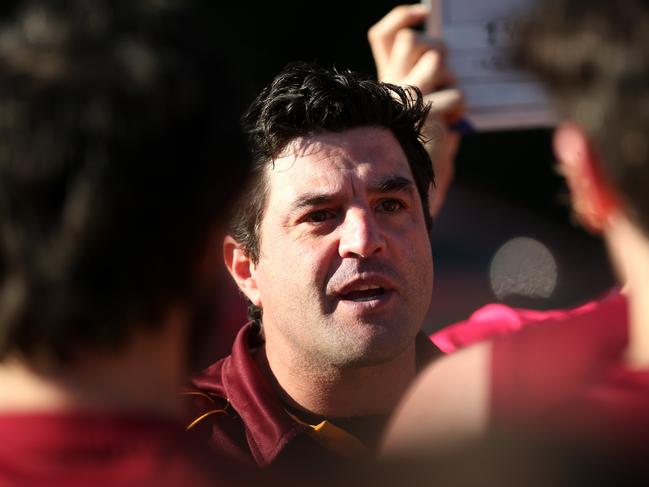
(360, 235)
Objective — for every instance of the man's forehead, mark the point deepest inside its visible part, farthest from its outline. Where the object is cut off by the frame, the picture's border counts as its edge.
(365, 151)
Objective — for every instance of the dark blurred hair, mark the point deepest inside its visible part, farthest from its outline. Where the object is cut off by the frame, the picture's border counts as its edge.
(593, 57)
(306, 99)
(119, 150)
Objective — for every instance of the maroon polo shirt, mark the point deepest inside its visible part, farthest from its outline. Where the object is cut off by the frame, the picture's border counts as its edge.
(236, 410)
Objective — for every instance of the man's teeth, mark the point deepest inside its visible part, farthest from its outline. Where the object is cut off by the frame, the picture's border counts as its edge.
(365, 288)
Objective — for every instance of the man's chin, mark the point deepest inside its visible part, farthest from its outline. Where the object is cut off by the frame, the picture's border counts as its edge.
(377, 344)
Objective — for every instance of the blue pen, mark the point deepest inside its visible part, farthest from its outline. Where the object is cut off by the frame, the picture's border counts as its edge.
(462, 126)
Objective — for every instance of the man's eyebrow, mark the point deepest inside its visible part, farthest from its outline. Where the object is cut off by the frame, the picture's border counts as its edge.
(393, 184)
(307, 200)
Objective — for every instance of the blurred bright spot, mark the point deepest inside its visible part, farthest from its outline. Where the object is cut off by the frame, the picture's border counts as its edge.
(523, 267)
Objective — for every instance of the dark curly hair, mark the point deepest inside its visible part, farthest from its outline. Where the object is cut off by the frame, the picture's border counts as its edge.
(119, 151)
(593, 58)
(306, 99)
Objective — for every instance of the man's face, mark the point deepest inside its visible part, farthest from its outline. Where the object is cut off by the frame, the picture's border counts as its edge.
(345, 270)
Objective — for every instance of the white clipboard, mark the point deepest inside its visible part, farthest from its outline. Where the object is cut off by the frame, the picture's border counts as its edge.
(477, 33)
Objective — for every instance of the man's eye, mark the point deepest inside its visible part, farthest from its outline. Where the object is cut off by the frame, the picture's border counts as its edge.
(319, 216)
(390, 206)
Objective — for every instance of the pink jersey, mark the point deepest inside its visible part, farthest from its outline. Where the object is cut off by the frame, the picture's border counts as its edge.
(569, 379)
(495, 320)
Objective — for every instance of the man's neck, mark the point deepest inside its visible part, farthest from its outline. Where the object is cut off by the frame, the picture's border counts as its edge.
(629, 249)
(330, 391)
(144, 376)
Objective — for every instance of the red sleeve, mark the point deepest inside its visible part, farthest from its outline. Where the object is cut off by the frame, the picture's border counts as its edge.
(495, 320)
(540, 368)
(488, 322)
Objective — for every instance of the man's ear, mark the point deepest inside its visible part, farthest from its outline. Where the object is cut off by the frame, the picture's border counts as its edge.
(241, 268)
(593, 199)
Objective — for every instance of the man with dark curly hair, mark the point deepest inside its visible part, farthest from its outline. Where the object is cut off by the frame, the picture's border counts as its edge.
(330, 245)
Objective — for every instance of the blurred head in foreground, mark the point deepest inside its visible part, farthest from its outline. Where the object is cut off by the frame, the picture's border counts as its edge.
(591, 56)
(582, 378)
(119, 152)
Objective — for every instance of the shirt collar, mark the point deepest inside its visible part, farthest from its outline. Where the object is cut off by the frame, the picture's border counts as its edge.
(269, 427)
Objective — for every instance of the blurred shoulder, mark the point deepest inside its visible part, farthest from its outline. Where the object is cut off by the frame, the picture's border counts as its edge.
(448, 402)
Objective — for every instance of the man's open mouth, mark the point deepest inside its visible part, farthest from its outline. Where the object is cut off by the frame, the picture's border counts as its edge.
(363, 294)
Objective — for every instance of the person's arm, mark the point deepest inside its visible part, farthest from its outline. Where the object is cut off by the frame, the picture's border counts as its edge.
(409, 58)
(447, 405)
